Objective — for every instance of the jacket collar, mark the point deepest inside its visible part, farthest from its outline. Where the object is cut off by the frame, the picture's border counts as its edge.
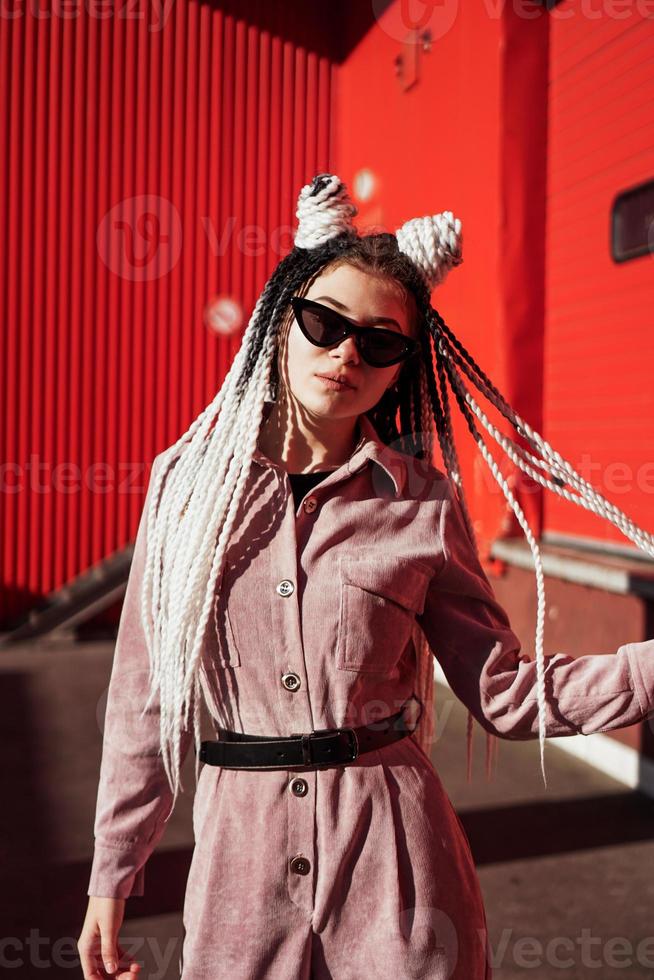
(370, 447)
(373, 448)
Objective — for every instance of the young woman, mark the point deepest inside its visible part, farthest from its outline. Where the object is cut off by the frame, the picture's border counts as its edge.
(298, 563)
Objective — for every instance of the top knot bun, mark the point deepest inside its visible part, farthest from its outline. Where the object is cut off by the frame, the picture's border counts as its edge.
(324, 210)
(433, 243)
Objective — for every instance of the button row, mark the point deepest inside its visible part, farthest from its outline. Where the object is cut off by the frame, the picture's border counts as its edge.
(299, 864)
(292, 681)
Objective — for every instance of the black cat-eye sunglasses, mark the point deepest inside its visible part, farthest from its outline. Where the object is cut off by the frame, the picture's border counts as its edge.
(325, 327)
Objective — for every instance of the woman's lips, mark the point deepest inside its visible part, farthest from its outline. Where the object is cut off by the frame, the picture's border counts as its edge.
(335, 385)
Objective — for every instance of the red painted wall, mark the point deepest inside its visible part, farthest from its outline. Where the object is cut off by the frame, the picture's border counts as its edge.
(599, 350)
(455, 141)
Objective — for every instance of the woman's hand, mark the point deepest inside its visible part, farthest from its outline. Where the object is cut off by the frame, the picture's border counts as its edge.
(99, 952)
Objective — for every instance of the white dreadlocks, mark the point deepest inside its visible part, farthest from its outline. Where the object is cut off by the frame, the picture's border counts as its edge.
(207, 469)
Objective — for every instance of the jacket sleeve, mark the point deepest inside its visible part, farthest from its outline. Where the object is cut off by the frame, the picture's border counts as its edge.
(471, 637)
(134, 796)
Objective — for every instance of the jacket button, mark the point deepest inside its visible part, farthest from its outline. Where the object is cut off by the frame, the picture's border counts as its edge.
(291, 681)
(310, 505)
(285, 587)
(300, 865)
(299, 787)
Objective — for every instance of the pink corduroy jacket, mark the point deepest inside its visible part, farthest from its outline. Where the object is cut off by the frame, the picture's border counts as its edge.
(388, 887)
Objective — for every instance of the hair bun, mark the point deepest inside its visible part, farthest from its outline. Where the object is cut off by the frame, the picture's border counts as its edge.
(433, 243)
(324, 210)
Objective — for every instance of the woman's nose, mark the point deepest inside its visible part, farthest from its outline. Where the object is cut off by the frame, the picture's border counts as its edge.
(348, 349)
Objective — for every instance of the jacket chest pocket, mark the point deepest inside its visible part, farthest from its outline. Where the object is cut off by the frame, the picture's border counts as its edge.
(225, 647)
(380, 598)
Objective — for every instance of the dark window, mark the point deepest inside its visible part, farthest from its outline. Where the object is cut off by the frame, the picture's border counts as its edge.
(632, 222)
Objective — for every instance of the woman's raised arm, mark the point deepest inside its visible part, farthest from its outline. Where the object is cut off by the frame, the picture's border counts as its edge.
(471, 636)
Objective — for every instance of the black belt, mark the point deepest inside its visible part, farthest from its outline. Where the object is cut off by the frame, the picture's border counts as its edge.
(323, 747)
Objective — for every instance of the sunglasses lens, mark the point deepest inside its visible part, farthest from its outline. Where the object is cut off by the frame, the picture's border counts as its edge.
(381, 348)
(324, 327)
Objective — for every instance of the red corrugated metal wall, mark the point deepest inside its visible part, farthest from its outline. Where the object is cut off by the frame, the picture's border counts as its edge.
(139, 152)
(599, 343)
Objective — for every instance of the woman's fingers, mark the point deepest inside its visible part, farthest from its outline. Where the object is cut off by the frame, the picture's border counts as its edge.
(91, 970)
(91, 958)
(128, 968)
(94, 968)
(129, 974)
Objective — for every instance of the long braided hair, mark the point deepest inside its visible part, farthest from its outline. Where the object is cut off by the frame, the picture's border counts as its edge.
(205, 472)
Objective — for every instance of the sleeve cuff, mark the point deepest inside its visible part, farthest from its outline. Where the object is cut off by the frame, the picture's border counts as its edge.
(115, 873)
(641, 662)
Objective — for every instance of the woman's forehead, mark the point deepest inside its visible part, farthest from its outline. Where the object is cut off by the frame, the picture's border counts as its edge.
(361, 293)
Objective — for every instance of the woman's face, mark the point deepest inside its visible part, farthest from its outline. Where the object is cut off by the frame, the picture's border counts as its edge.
(366, 300)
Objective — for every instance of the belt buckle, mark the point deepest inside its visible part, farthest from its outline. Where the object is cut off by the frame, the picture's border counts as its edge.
(354, 741)
(305, 743)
